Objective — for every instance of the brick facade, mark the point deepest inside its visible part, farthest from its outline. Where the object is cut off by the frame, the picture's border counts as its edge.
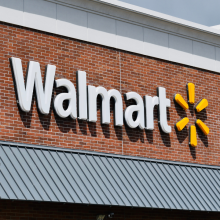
(109, 68)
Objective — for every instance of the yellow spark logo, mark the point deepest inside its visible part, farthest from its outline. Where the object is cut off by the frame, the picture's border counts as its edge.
(199, 107)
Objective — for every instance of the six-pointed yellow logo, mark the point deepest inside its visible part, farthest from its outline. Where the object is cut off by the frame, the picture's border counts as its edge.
(202, 104)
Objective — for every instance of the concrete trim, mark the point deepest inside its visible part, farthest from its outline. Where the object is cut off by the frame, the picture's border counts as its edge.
(160, 16)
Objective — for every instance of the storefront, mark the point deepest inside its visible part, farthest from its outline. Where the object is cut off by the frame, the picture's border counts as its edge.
(107, 111)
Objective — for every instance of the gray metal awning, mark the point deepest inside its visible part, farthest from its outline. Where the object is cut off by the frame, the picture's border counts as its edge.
(38, 173)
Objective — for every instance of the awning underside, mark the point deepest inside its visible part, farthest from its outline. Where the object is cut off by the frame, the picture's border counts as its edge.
(53, 174)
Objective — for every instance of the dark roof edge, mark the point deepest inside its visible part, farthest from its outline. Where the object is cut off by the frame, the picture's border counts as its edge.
(89, 204)
(107, 154)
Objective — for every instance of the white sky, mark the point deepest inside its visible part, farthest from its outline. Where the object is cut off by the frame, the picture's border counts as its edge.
(206, 12)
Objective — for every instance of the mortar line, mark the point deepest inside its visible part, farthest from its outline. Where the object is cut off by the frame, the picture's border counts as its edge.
(120, 92)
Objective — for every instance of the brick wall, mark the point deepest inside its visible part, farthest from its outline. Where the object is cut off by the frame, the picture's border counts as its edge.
(57, 211)
(109, 68)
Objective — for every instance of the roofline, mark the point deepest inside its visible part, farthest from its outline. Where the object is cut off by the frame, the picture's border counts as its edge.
(159, 16)
(15, 144)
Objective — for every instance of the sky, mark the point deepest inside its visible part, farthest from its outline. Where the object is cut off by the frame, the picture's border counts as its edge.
(206, 12)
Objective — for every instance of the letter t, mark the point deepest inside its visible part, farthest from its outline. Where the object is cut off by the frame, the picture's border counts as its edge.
(163, 104)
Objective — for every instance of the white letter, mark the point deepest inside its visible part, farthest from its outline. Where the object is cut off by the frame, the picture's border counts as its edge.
(149, 111)
(33, 77)
(139, 108)
(118, 106)
(163, 104)
(71, 96)
(92, 96)
(82, 95)
(93, 92)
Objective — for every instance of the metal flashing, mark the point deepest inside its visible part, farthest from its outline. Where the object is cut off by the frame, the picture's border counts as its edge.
(39, 173)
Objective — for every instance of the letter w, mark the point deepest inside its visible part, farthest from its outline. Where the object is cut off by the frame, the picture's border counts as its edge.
(33, 77)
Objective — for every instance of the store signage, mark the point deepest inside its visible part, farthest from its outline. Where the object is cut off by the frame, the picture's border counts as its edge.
(87, 98)
(202, 104)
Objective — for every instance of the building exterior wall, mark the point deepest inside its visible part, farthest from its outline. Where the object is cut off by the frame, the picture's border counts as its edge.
(123, 48)
(122, 26)
(110, 68)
